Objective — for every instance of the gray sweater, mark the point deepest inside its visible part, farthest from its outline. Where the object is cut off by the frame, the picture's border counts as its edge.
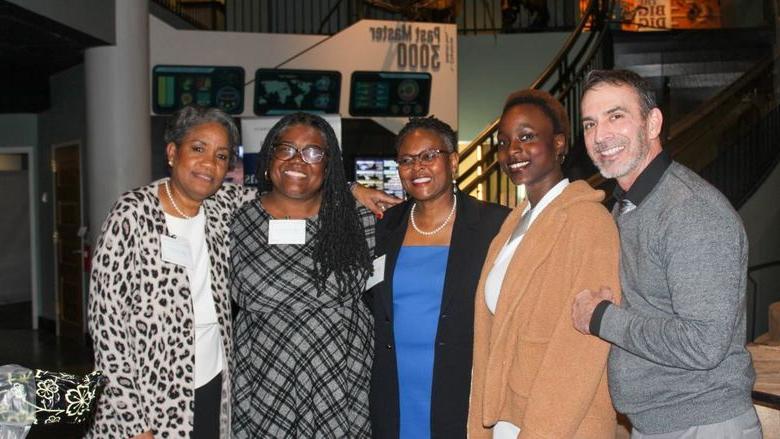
(678, 357)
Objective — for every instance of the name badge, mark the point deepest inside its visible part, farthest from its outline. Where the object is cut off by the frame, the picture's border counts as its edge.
(379, 272)
(176, 250)
(286, 232)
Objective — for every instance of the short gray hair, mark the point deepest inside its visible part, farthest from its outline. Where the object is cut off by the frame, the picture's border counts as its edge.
(618, 77)
(190, 116)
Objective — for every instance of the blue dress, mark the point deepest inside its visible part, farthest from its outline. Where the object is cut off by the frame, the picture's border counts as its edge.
(418, 282)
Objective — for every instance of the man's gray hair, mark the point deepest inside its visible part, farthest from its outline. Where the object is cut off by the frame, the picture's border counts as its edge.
(594, 78)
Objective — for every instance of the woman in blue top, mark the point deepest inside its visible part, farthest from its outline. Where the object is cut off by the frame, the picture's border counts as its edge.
(434, 246)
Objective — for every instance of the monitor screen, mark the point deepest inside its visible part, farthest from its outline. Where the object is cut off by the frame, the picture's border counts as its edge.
(385, 94)
(176, 86)
(379, 173)
(280, 91)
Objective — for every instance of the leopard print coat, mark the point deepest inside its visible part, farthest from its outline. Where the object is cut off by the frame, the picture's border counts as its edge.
(141, 317)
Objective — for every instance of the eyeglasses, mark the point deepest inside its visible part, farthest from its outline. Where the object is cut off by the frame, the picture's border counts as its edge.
(311, 154)
(426, 157)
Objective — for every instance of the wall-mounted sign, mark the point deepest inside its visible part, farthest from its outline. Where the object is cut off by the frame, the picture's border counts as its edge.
(417, 47)
(389, 94)
(284, 91)
(176, 86)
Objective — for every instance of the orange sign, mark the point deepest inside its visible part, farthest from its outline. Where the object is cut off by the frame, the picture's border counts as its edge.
(655, 15)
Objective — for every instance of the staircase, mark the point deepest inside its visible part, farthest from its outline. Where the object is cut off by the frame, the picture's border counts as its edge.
(588, 47)
(716, 89)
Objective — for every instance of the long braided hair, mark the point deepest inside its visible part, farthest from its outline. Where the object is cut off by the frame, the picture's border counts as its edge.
(339, 244)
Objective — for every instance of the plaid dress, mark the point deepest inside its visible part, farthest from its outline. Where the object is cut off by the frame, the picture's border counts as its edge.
(301, 362)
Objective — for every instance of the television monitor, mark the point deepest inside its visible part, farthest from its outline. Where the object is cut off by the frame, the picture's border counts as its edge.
(379, 173)
(389, 94)
(176, 86)
(282, 91)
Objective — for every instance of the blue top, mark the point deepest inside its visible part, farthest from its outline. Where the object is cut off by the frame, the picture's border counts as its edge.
(418, 282)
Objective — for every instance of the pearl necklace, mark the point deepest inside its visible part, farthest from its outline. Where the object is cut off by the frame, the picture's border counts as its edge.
(173, 203)
(437, 229)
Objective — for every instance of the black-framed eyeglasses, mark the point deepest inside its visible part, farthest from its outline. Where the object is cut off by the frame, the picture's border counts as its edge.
(426, 157)
(311, 154)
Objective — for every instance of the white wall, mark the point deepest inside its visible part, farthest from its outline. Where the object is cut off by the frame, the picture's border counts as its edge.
(492, 66)
(761, 215)
(350, 50)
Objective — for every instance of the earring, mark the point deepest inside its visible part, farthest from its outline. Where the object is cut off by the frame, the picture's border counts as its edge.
(454, 186)
(265, 174)
(562, 157)
(170, 163)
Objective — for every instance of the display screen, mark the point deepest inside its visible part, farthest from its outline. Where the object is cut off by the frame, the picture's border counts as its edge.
(177, 86)
(379, 173)
(390, 94)
(286, 91)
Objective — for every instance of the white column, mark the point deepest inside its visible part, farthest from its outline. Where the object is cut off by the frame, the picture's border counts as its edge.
(118, 150)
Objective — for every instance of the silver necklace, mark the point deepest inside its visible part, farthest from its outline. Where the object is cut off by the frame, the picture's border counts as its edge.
(173, 203)
(437, 229)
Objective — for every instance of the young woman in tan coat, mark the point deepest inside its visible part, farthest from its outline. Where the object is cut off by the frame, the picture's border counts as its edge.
(534, 375)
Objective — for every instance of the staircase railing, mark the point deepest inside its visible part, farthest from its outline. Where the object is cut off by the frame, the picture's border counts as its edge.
(327, 17)
(585, 49)
(203, 14)
(733, 141)
(511, 16)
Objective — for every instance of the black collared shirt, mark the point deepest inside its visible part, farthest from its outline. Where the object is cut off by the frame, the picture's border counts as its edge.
(638, 191)
(646, 180)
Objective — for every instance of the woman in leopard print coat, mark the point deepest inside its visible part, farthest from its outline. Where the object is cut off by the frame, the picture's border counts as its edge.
(141, 307)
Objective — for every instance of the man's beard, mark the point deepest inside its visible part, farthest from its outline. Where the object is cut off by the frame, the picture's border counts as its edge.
(621, 169)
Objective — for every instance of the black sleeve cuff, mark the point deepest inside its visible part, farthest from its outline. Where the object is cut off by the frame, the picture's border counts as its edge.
(598, 313)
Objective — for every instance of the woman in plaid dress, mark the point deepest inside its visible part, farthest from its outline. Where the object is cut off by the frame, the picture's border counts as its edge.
(302, 333)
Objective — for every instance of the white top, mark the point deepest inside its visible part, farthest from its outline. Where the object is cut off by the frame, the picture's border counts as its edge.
(503, 429)
(209, 355)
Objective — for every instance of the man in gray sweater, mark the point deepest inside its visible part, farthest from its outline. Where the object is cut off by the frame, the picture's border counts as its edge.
(678, 367)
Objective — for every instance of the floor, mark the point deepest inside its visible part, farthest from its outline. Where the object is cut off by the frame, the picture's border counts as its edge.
(21, 345)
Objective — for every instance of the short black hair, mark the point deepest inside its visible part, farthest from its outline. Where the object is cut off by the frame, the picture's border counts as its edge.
(619, 77)
(190, 116)
(432, 124)
(546, 102)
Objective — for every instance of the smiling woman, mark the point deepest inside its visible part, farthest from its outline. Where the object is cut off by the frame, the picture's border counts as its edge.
(534, 375)
(159, 309)
(433, 246)
(301, 255)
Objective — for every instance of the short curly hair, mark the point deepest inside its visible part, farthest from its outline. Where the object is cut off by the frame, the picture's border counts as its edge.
(550, 106)
(432, 124)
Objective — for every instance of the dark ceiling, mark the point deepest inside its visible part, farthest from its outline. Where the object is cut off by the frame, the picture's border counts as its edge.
(32, 48)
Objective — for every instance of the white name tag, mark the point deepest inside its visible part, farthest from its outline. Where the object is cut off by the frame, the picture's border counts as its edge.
(176, 250)
(286, 232)
(379, 272)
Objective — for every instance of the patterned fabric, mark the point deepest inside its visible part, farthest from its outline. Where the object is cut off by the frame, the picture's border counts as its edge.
(302, 361)
(65, 398)
(42, 397)
(141, 316)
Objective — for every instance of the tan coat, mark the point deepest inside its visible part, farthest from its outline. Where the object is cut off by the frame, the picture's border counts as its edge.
(531, 367)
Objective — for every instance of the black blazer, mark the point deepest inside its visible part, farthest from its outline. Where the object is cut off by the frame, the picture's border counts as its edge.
(476, 223)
